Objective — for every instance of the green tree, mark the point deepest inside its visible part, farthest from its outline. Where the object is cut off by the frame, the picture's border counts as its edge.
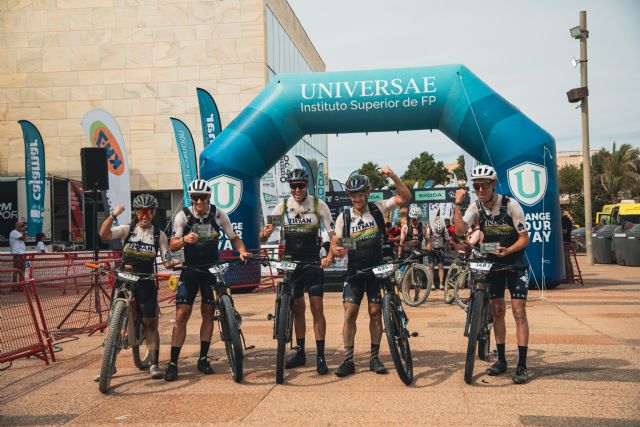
(461, 174)
(371, 170)
(570, 181)
(423, 168)
(618, 171)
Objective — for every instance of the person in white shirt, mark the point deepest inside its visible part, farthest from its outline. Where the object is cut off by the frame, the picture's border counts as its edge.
(16, 243)
(40, 247)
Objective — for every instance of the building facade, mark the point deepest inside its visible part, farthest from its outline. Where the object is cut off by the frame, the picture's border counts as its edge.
(141, 63)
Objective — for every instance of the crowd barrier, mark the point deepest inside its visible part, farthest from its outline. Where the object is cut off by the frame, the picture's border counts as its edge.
(70, 299)
(20, 330)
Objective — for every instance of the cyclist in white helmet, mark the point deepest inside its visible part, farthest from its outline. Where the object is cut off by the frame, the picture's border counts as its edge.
(197, 229)
(437, 239)
(413, 232)
(501, 219)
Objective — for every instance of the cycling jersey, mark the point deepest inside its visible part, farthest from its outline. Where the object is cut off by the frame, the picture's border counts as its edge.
(501, 224)
(208, 227)
(301, 222)
(366, 233)
(437, 239)
(140, 245)
(413, 235)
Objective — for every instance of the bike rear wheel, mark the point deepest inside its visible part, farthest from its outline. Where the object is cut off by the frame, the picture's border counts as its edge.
(231, 336)
(476, 308)
(449, 283)
(462, 290)
(112, 345)
(416, 285)
(282, 321)
(397, 337)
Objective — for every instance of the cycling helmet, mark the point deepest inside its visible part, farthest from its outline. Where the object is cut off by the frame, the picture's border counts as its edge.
(415, 212)
(484, 172)
(145, 201)
(298, 175)
(199, 186)
(357, 184)
(438, 226)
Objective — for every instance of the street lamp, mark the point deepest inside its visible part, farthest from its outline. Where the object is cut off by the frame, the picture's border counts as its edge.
(581, 94)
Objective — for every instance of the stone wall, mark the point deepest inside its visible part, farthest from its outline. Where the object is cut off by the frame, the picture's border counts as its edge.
(141, 60)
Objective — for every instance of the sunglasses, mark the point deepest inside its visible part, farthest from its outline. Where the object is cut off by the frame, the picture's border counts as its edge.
(483, 186)
(146, 212)
(298, 185)
(201, 197)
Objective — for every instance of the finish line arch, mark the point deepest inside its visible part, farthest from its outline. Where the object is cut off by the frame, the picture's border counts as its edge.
(448, 97)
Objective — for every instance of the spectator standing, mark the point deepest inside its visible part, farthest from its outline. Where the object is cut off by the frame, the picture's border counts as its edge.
(17, 238)
(40, 247)
(567, 226)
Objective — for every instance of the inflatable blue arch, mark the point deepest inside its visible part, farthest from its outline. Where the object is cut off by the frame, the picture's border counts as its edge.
(447, 97)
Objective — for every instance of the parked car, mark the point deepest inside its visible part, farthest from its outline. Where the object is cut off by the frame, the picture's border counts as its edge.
(578, 239)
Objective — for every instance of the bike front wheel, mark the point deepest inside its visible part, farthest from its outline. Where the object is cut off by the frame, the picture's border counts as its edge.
(282, 321)
(462, 291)
(476, 308)
(230, 333)
(484, 341)
(450, 283)
(416, 285)
(112, 345)
(397, 337)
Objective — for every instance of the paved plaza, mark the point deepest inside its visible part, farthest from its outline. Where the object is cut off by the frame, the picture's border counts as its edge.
(584, 366)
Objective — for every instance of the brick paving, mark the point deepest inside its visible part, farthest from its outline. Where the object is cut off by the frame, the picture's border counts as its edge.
(583, 362)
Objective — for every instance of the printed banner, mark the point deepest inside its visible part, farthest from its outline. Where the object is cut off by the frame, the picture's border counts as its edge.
(34, 174)
(321, 189)
(469, 164)
(8, 209)
(209, 116)
(187, 154)
(103, 132)
(307, 167)
(76, 217)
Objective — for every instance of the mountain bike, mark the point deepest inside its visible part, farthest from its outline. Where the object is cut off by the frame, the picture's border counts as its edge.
(479, 316)
(228, 318)
(125, 326)
(284, 308)
(416, 280)
(394, 316)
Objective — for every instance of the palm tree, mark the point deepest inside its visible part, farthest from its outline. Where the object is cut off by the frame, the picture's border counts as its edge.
(620, 171)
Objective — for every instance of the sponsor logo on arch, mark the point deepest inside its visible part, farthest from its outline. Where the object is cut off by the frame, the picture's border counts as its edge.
(227, 192)
(528, 182)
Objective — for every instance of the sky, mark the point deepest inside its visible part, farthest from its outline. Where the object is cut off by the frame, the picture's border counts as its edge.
(521, 49)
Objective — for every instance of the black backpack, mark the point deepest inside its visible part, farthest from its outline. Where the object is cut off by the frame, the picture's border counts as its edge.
(377, 216)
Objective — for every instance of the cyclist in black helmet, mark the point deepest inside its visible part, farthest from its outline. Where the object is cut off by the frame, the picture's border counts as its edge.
(141, 241)
(197, 229)
(501, 219)
(302, 216)
(364, 224)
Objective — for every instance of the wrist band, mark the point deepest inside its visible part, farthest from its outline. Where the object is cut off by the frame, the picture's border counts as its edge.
(458, 203)
(114, 215)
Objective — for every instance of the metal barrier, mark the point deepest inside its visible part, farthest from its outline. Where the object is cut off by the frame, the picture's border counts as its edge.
(20, 334)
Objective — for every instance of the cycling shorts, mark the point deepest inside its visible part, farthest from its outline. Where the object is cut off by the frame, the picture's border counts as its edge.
(190, 282)
(516, 281)
(436, 256)
(355, 287)
(146, 295)
(309, 278)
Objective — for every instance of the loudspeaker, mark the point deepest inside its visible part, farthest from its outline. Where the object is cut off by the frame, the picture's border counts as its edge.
(94, 168)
